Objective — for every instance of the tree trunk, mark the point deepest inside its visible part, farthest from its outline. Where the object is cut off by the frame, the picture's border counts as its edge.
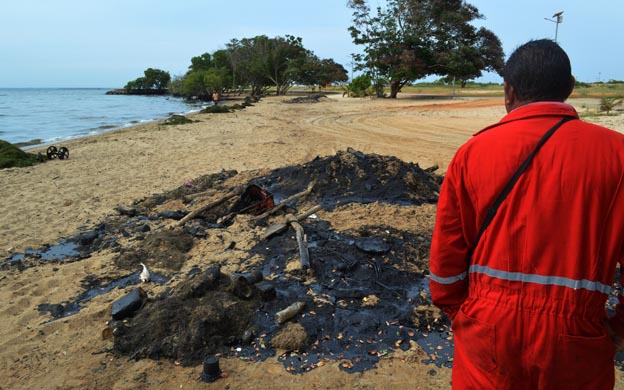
(395, 86)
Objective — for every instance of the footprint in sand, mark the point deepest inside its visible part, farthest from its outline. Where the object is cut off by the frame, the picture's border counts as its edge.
(53, 283)
(12, 311)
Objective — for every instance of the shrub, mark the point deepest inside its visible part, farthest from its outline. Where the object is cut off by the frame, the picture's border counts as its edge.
(360, 86)
(608, 103)
(12, 156)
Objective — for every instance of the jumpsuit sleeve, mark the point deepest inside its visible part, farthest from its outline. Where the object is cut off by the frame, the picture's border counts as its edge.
(449, 251)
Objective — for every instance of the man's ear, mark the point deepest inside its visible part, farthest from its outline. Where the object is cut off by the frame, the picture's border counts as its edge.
(572, 84)
(510, 96)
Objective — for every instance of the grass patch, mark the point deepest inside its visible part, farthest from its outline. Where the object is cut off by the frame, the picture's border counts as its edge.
(472, 89)
(12, 156)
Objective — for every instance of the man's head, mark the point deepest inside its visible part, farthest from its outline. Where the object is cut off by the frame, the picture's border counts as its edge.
(537, 71)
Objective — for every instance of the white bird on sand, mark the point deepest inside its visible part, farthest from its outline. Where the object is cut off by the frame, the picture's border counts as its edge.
(145, 274)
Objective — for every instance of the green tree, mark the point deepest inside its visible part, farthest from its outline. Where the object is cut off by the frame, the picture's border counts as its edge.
(202, 83)
(202, 62)
(194, 85)
(247, 65)
(321, 72)
(281, 59)
(138, 84)
(258, 63)
(409, 39)
(264, 62)
(153, 80)
(216, 79)
(332, 72)
(176, 86)
(156, 78)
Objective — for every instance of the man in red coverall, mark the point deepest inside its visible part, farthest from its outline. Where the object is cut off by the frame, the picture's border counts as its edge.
(527, 301)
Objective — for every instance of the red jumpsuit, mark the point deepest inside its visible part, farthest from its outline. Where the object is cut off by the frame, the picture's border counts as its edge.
(528, 309)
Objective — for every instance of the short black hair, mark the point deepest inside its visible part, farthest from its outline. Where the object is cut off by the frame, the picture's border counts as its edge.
(539, 70)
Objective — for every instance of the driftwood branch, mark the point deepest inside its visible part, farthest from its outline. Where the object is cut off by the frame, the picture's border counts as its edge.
(285, 202)
(280, 227)
(236, 192)
(431, 169)
(304, 255)
(189, 197)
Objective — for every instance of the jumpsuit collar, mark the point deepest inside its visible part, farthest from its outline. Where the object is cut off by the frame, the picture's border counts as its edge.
(533, 110)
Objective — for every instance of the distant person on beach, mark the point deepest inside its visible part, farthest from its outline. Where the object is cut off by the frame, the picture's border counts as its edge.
(524, 267)
(215, 98)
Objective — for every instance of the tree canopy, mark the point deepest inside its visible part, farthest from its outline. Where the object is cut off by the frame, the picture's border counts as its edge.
(258, 63)
(410, 39)
(153, 80)
(279, 62)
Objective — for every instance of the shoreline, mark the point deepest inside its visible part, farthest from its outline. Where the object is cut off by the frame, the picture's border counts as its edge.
(39, 143)
(42, 116)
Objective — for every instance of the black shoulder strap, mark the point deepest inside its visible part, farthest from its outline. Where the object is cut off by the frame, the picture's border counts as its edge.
(501, 197)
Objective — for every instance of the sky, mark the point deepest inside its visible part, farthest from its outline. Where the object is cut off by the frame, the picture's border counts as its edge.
(106, 43)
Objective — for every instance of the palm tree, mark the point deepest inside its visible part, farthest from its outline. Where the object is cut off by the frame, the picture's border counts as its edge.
(608, 103)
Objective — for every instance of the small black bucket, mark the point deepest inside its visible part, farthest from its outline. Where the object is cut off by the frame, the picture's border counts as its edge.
(211, 372)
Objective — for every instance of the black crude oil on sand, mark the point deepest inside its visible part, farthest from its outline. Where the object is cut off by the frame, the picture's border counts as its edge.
(222, 285)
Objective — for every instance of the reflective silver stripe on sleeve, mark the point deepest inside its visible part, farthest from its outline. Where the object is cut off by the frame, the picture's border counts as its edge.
(541, 279)
(450, 279)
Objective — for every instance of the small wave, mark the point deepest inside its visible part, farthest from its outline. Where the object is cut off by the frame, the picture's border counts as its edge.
(137, 122)
(91, 117)
(61, 139)
(106, 127)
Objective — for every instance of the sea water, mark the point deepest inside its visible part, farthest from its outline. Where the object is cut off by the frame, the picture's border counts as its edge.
(54, 115)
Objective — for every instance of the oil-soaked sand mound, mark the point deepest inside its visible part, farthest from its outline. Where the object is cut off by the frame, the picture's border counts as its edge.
(201, 317)
(363, 295)
(353, 176)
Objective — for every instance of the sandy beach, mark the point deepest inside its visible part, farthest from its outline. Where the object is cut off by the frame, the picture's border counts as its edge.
(58, 199)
